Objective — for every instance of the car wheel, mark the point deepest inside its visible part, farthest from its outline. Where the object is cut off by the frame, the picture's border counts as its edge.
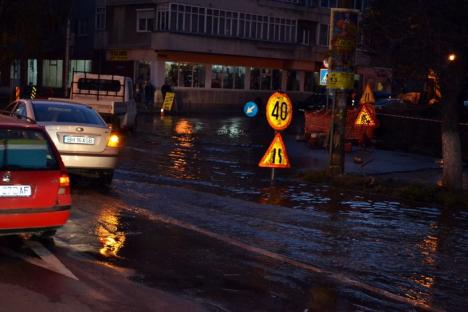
(105, 178)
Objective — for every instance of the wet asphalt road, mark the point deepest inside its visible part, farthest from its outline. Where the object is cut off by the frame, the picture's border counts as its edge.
(190, 214)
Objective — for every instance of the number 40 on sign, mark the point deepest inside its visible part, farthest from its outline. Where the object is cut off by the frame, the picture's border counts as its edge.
(279, 111)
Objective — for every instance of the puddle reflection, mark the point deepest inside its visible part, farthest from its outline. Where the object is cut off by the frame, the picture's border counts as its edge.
(183, 154)
(109, 233)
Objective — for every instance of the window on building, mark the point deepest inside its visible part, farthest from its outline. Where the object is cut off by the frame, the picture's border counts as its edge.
(239, 78)
(227, 77)
(52, 73)
(216, 76)
(309, 81)
(198, 76)
(265, 79)
(307, 3)
(15, 70)
(100, 18)
(276, 79)
(32, 71)
(292, 82)
(361, 4)
(78, 66)
(172, 73)
(323, 35)
(185, 75)
(82, 27)
(329, 3)
(306, 32)
(145, 20)
(223, 23)
(162, 18)
(255, 78)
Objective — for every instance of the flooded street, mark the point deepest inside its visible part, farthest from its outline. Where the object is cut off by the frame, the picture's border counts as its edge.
(419, 252)
(190, 223)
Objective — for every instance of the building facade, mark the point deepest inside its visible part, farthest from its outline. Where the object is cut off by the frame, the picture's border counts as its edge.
(217, 55)
(64, 47)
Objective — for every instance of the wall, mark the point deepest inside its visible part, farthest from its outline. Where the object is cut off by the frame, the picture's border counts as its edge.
(223, 101)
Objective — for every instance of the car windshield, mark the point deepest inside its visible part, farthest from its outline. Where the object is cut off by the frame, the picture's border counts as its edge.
(25, 149)
(66, 113)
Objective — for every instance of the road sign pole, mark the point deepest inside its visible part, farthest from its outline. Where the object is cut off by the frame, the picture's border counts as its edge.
(343, 39)
(338, 136)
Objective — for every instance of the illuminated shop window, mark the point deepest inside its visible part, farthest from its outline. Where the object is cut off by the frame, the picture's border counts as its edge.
(52, 73)
(265, 79)
(185, 75)
(78, 66)
(227, 77)
(32, 72)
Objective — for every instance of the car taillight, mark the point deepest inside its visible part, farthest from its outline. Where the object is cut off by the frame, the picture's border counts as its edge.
(114, 140)
(64, 184)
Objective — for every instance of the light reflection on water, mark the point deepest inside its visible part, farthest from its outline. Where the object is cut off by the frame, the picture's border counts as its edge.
(182, 152)
(392, 243)
(109, 233)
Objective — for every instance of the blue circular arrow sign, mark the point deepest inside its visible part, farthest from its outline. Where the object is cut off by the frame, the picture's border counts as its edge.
(251, 109)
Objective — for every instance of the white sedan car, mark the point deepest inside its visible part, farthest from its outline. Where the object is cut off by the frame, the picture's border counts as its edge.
(84, 140)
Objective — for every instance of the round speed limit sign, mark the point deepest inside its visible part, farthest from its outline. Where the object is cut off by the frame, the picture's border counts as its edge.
(279, 111)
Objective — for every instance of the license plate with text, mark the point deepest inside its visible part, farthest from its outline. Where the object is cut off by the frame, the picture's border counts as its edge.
(70, 139)
(15, 190)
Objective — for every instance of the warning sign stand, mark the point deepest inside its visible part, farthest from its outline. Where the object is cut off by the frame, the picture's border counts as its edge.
(279, 111)
(366, 120)
(275, 156)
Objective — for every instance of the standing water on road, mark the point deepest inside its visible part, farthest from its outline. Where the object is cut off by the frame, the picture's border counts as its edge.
(416, 252)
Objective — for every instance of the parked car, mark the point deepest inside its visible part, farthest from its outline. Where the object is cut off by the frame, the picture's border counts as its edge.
(86, 143)
(34, 184)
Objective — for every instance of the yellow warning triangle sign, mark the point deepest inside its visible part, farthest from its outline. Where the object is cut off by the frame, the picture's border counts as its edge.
(275, 156)
(365, 118)
(368, 96)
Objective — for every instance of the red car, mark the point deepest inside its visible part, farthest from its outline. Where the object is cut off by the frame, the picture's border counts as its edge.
(34, 185)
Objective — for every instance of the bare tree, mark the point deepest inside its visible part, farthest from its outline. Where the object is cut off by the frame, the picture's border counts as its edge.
(28, 26)
(418, 35)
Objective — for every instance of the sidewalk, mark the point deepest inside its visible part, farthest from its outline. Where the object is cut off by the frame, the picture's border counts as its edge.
(375, 162)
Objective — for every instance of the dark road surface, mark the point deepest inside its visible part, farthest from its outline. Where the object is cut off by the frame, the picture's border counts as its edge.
(191, 222)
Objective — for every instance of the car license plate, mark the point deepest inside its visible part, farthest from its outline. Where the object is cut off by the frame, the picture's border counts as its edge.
(15, 190)
(70, 139)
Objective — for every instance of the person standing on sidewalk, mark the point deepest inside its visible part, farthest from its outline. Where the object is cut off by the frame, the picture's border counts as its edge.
(164, 89)
(149, 95)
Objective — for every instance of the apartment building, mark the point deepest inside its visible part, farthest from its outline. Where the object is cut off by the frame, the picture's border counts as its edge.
(217, 55)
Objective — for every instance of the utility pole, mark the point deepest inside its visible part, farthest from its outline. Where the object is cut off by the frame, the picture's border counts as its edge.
(343, 40)
(67, 57)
